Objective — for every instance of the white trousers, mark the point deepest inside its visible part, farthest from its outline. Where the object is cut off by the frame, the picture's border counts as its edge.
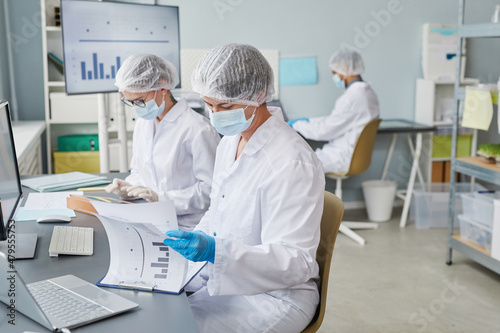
(334, 159)
(246, 314)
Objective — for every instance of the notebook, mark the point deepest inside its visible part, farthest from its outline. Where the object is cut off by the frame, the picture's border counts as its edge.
(62, 302)
(64, 181)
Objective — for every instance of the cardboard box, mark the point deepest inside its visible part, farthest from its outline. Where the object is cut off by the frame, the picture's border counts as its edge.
(67, 109)
(437, 173)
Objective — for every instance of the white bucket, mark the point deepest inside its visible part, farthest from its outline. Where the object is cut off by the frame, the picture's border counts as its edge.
(379, 199)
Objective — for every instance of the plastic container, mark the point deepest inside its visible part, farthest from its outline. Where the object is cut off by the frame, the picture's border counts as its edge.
(475, 232)
(78, 142)
(83, 161)
(379, 199)
(479, 207)
(430, 208)
(441, 145)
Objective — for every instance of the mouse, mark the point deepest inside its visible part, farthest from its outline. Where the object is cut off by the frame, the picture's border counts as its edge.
(54, 218)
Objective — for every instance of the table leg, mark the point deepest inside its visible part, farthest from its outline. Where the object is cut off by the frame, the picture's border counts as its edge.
(411, 181)
(389, 156)
(419, 172)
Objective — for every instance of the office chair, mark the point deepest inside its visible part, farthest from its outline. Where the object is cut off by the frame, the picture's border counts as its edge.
(333, 211)
(360, 161)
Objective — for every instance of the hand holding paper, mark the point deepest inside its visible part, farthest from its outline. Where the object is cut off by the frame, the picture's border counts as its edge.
(119, 187)
(193, 245)
(143, 192)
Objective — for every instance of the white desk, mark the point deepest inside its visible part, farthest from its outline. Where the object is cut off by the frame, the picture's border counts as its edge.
(395, 127)
(27, 138)
(401, 126)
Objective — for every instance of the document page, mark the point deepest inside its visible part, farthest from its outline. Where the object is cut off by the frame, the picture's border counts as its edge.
(43, 201)
(161, 214)
(139, 259)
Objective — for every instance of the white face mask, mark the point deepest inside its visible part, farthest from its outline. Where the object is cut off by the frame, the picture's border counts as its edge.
(151, 110)
(231, 122)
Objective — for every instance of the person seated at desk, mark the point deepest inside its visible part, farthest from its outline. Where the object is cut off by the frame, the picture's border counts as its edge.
(355, 108)
(262, 229)
(173, 146)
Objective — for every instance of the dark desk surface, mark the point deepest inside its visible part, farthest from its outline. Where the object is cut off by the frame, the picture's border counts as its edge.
(387, 126)
(156, 312)
(402, 126)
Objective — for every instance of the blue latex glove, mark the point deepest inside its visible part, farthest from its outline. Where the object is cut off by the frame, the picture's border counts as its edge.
(293, 121)
(193, 245)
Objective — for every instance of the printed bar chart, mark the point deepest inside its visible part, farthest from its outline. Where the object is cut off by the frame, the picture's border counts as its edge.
(162, 261)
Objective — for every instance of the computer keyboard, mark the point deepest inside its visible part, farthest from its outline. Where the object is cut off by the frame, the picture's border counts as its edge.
(71, 240)
(64, 304)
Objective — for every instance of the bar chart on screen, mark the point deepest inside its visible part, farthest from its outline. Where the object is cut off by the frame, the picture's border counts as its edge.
(98, 71)
(96, 47)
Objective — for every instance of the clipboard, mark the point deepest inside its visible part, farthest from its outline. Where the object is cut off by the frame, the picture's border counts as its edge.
(83, 204)
(142, 287)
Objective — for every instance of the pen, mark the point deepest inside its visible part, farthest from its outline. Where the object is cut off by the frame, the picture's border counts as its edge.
(85, 189)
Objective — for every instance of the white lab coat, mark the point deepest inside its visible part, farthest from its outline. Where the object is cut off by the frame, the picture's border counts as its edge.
(342, 127)
(175, 158)
(265, 212)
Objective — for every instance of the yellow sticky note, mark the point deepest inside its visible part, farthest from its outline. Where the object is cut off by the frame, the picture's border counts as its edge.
(494, 97)
(478, 109)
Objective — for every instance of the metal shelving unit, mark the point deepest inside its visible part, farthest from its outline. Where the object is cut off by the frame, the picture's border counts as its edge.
(471, 166)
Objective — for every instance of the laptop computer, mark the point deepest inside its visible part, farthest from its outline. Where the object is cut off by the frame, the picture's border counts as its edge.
(57, 303)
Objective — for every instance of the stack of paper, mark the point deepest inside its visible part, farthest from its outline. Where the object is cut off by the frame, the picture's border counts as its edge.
(43, 204)
(64, 181)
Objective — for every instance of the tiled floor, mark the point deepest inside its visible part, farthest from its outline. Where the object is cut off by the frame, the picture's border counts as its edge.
(399, 282)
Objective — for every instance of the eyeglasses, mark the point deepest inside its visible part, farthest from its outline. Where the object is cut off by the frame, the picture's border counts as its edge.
(136, 102)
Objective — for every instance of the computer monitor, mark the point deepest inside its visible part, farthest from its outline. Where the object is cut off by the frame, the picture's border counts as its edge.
(19, 245)
(10, 183)
(99, 36)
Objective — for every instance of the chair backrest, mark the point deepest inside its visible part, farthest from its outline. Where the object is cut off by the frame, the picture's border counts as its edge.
(362, 155)
(333, 211)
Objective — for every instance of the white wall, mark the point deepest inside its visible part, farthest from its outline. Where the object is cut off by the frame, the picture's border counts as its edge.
(4, 68)
(26, 41)
(306, 28)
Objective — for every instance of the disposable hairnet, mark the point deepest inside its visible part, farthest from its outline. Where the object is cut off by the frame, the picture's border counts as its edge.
(347, 62)
(146, 72)
(234, 73)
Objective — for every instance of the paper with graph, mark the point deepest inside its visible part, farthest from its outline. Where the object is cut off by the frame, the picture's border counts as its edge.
(139, 260)
(161, 214)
